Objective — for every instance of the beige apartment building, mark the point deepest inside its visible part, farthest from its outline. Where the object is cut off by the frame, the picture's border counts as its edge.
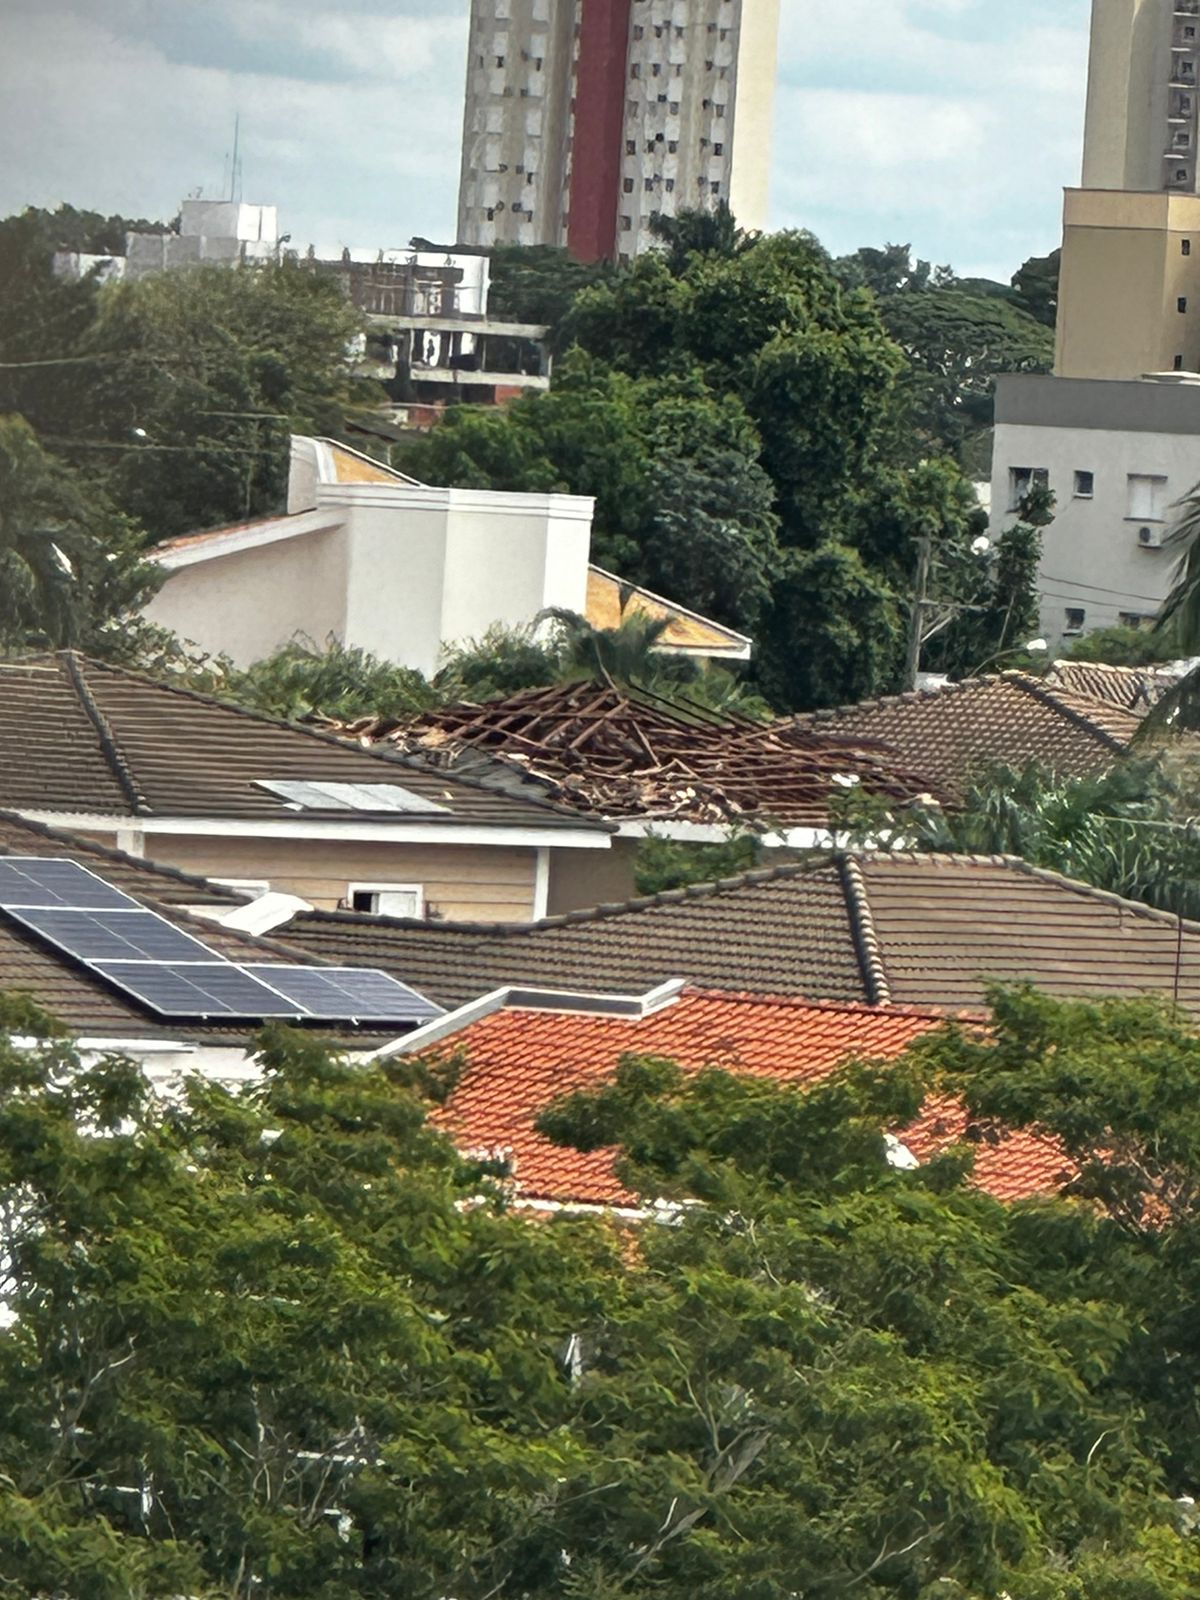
(1130, 288)
(584, 118)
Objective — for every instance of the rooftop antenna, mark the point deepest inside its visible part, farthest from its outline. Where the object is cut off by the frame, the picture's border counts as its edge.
(235, 166)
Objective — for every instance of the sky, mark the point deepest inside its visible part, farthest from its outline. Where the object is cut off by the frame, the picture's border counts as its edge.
(951, 125)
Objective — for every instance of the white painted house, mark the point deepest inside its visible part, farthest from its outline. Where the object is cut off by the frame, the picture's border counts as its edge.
(1118, 455)
(395, 567)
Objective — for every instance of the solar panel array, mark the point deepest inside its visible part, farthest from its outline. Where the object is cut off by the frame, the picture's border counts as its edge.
(179, 976)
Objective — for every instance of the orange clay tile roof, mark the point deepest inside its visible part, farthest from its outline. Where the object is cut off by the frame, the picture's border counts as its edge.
(610, 600)
(519, 1061)
(954, 731)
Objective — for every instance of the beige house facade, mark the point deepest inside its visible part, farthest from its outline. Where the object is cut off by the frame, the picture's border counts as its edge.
(186, 781)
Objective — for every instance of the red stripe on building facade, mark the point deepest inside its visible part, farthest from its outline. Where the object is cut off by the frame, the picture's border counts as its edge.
(596, 161)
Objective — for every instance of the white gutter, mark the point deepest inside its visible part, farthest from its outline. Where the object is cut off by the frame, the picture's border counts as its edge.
(211, 546)
(723, 832)
(524, 997)
(498, 835)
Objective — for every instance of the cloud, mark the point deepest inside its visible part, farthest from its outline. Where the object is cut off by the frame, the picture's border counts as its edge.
(953, 124)
(950, 123)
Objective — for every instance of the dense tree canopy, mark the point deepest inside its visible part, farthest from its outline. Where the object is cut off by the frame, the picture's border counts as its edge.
(285, 1343)
(175, 393)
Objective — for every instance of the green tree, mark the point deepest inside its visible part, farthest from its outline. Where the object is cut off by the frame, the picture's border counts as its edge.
(700, 233)
(854, 1378)
(1036, 284)
(957, 343)
(1125, 646)
(538, 283)
(71, 574)
(262, 1344)
(1129, 831)
(833, 633)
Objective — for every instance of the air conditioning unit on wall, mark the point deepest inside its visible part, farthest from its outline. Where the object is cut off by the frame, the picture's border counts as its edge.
(1151, 538)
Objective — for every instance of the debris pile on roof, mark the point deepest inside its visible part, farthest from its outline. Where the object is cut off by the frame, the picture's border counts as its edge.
(624, 753)
(1134, 689)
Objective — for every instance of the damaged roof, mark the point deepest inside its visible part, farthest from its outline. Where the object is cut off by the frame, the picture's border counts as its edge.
(1134, 689)
(84, 737)
(516, 1062)
(874, 928)
(629, 754)
(954, 731)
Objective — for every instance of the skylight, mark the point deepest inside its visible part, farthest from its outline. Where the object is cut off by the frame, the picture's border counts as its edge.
(372, 798)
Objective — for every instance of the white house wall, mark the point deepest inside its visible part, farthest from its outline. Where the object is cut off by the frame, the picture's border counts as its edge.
(250, 602)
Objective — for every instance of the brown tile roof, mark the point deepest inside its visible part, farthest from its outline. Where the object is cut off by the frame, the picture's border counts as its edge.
(520, 1061)
(1133, 689)
(905, 929)
(628, 754)
(953, 731)
(82, 736)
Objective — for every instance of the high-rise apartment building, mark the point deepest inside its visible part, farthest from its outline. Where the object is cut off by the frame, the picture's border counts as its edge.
(1115, 433)
(586, 117)
(1130, 284)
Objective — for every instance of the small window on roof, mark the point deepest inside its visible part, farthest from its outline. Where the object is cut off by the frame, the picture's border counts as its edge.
(376, 799)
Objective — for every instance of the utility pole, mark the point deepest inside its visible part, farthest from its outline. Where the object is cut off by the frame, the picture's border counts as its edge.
(920, 602)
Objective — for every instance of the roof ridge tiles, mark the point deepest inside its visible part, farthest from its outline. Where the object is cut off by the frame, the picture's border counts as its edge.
(902, 698)
(799, 1002)
(109, 747)
(867, 942)
(1060, 700)
(396, 757)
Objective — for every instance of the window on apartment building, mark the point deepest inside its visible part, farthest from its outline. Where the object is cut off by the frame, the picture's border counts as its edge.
(499, 61)
(673, 108)
(387, 899)
(626, 224)
(1181, 304)
(1186, 247)
(635, 70)
(627, 186)
(714, 188)
(1147, 497)
(631, 147)
(1076, 619)
(1021, 480)
(638, 31)
(1085, 485)
(1177, 364)
(718, 149)
(720, 110)
(648, 185)
(1137, 619)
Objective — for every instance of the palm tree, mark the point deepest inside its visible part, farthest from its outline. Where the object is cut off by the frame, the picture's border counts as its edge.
(71, 572)
(624, 654)
(1180, 618)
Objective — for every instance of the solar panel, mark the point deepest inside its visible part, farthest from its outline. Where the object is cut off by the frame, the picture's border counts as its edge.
(176, 975)
(322, 795)
(199, 989)
(135, 935)
(358, 994)
(54, 881)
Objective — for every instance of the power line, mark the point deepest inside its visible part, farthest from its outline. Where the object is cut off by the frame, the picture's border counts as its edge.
(1098, 588)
